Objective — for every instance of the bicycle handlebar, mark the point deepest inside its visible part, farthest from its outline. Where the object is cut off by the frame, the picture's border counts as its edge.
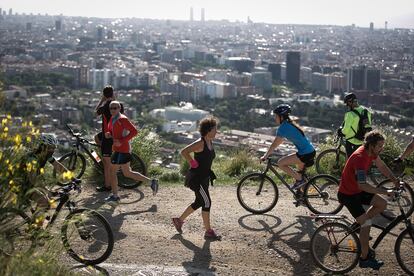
(73, 185)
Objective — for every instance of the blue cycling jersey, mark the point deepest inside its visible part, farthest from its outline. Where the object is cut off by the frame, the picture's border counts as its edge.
(290, 132)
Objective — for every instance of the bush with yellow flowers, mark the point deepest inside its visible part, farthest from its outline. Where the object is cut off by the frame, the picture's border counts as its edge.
(16, 140)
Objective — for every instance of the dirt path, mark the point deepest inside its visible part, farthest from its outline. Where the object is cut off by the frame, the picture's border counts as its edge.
(273, 244)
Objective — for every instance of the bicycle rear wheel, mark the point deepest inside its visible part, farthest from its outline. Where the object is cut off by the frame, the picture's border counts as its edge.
(406, 201)
(404, 247)
(15, 232)
(74, 162)
(334, 249)
(87, 236)
(137, 165)
(257, 193)
(320, 194)
(329, 162)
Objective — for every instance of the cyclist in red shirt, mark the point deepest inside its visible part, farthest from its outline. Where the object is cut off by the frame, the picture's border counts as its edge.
(121, 130)
(354, 191)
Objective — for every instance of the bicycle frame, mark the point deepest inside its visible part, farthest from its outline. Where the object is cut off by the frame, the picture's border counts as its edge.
(272, 168)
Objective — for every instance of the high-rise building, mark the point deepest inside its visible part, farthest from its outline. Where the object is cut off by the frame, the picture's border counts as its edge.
(363, 78)
(1, 11)
(386, 25)
(373, 80)
(276, 70)
(28, 26)
(203, 13)
(191, 14)
(10, 11)
(371, 26)
(58, 25)
(293, 68)
(100, 33)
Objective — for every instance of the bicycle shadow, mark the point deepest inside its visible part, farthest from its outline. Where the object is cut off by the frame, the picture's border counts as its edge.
(250, 221)
(200, 264)
(128, 196)
(293, 246)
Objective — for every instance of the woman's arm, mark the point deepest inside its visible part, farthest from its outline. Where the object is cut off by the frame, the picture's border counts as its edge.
(196, 146)
(126, 124)
(276, 142)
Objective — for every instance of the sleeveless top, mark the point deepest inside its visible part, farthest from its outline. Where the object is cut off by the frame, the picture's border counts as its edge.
(205, 160)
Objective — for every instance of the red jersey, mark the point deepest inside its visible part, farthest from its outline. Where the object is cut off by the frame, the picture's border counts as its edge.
(123, 130)
(359, 160)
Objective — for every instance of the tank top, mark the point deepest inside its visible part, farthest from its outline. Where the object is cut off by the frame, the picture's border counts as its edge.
(205, 160)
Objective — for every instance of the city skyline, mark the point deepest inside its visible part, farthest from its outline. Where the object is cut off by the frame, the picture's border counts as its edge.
(398, 13)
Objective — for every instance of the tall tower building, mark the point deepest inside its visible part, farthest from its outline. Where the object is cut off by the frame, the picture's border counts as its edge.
(10, 11)
(386, 25)
(293, 68)
(371, 26)
(58, 25)
(100, 33)
(203, 15)
(28, 26)
(191, 14)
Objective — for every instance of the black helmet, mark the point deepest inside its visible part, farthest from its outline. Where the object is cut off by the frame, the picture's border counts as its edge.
(349, 97)
(282, 110)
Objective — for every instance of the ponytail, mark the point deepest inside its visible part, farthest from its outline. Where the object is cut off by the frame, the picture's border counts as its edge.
(296, 125)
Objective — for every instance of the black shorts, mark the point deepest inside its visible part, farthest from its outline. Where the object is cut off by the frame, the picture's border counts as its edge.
(120, 158)
(106, 145)
(354, 202)
(308, 159)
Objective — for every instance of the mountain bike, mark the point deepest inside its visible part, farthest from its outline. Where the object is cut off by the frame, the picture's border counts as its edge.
(335, 245)
(258, 193)
(75, 161)
(86, 234)
(332, 161)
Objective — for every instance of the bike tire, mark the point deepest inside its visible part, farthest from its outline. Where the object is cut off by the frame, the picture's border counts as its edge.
(325, 162)
(84, 233)
(322, 190)
(406, 201)
(327, 255)
(15, 232)
(76, 163)
(404, 246)
(137, 165)
(251, 201)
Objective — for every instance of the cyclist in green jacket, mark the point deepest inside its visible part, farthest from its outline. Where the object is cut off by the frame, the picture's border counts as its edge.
(350, 125)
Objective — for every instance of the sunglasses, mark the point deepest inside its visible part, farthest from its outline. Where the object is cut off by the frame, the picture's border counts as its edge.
(114, 108)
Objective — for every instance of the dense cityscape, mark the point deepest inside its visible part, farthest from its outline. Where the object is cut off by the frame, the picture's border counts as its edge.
(54, 68)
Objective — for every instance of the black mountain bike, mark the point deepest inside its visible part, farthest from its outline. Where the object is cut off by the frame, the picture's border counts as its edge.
(75, 161)
(332, 161)
(258, 193)
(86, 234)
(335, 245)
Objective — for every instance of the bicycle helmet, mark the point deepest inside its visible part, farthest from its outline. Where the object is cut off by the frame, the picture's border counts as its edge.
(282, 110)
(349, 97)
(48, 139)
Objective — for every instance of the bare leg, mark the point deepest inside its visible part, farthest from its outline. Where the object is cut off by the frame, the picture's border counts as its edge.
(114, 179)
(206, 219)
(128, 172)
(107, 170)
(284, 164)
(188, 211)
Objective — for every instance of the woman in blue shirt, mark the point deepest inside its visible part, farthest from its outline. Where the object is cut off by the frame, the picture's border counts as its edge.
(291, 131)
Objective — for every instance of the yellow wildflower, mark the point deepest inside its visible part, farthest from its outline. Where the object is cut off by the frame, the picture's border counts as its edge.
(9, 116)
(30, 123)
(6, 129)
(42, 170)
(28, 139)
(67, 175)
(24, 124)
(52, 203)
(18, 139)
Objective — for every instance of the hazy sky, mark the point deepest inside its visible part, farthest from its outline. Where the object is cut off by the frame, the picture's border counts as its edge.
(398, 13)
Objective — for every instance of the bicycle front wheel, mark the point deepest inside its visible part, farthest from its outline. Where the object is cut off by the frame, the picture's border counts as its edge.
(321, 195)
(137, 165)
(87, 236)
(404, 247)
(406, 201)
(329, 162)
(15, 232)
(74, 162)
(334, 249)
(257, 193)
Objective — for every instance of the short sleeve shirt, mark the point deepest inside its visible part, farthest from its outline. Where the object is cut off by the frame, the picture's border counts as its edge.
(359, 160)
(291, 133)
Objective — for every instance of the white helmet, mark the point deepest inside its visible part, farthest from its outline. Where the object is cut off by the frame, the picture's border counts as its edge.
(48, 139)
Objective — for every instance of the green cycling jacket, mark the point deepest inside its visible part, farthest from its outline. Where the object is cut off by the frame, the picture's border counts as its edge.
(350, 125)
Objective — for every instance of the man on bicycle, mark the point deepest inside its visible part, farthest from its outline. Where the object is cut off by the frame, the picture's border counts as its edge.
(350, 126)
(354, 191)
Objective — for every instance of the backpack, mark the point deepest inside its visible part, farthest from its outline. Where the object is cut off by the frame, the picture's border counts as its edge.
(362, 124)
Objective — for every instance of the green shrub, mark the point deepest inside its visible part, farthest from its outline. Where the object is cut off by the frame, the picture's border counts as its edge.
(171, 176)
(239, 162)
(147, 145)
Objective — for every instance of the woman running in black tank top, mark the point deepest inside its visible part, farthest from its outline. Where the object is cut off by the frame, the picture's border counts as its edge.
(200, 175)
